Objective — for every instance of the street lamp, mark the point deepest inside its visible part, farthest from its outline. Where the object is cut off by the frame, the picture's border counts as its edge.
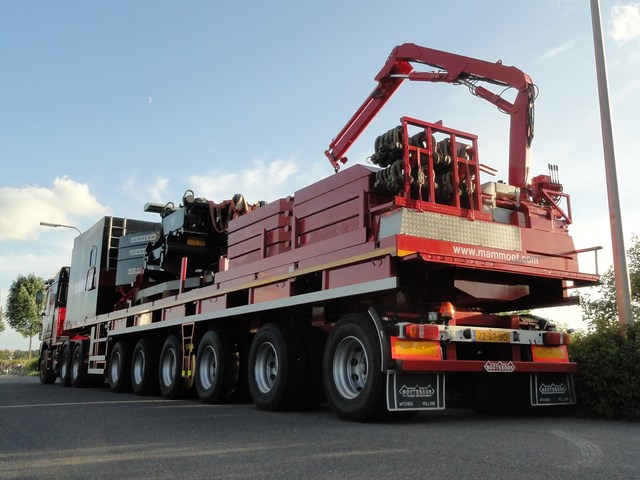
(56, 225)
(620, 269)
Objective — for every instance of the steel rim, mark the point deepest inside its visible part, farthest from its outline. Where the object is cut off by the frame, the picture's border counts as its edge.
(168, 367)
(64, 365)
(266, 369)
(350, 367)
(208, 367)
(114, 370)
(138, 367)
(75, 366)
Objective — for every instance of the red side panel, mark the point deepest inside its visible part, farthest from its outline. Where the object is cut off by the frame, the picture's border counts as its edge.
(62, 315)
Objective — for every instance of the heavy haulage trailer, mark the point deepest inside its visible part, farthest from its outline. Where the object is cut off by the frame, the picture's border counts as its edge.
(369, 288)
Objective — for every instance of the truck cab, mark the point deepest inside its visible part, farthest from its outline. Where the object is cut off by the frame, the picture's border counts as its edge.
(55, 306)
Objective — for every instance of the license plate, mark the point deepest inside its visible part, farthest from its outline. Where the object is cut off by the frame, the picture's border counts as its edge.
(493, 336)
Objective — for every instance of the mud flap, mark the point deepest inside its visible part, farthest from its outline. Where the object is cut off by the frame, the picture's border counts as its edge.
(552, 389)
(415, 391)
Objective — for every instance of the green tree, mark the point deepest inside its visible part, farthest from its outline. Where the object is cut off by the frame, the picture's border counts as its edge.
(600, 309)
(22, 312)
(1, 322)
(608, 381)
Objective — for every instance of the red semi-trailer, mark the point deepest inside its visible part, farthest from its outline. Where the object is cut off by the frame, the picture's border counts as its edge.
(369, 288)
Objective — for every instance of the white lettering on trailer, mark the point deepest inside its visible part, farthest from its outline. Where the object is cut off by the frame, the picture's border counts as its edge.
(417, 391)
(499, 367)
(553, 389)
(143, 238)
(513, 257)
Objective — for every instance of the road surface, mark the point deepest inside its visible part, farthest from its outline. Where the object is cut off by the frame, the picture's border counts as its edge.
(48, 431)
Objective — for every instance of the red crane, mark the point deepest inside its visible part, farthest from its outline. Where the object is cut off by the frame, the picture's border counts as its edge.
(456, 69)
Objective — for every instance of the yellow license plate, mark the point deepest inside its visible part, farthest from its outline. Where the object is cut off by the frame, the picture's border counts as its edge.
(494, 336)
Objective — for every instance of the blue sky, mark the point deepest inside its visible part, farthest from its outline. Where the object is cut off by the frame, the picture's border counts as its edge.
(105, 106)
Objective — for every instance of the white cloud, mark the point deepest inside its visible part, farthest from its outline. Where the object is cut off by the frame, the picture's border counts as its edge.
(263, 180)
(625, 23)
(154, 190)
(66, 201)
(43, 259)
(24, 208)
(559, 49)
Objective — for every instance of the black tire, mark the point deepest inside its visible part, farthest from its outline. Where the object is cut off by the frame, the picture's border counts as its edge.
(47, 375)
(119, 368)
(170, 369)
(241, 342)
(78, 367)
(353, 380)
(144, 367)
(313, 342)
(217, 367)
(276, 368)
(65, 365)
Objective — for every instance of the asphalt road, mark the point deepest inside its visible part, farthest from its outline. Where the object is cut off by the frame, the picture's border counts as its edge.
(47, 431)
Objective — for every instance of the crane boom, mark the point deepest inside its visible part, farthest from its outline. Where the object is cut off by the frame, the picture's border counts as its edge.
(456, 69)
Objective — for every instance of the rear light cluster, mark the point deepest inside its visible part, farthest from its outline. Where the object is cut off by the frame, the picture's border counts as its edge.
(417, 331)
(445, 315)
(556, 338)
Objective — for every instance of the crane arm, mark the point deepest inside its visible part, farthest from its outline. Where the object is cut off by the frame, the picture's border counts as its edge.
(456, 69)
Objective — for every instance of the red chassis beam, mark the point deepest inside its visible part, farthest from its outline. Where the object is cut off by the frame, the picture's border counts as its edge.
(548, 265)
(504, 367)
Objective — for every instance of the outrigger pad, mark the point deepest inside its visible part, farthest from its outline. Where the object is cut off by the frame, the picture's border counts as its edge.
(552, 389)
(415, 391)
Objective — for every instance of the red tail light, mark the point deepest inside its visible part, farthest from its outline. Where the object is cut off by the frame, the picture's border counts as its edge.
(556, 338)
(417, 331)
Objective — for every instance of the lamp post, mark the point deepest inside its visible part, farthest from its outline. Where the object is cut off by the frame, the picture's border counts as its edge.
(621, 271)
(56, 225)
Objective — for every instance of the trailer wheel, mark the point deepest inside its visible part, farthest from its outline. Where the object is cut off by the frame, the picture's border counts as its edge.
(276, 368)
(353, 379)
(78, 369)
(65, 366)
(170, 367)
(119, 367)
(47, 375)
(217, 367)
(144, 367)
